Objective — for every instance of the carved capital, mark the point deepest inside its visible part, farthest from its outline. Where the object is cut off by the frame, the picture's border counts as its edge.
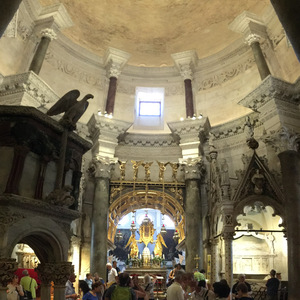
(62, 272)
(113, 69)
(194, 168)
(49, 33)
(252, 38)
(186, 72)
(46, 272)
(101, 167)
(7, 268)
(228, 235)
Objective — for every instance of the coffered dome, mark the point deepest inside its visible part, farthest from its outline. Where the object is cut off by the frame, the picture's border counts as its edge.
(152, 30)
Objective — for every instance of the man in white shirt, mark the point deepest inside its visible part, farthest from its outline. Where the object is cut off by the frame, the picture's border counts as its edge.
(175, 290)
(112, 275)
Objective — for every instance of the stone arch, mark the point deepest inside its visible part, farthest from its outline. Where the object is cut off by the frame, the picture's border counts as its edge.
(265, 200)
(49, 242)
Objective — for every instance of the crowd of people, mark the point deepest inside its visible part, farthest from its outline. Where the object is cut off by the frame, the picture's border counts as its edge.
(121, 286)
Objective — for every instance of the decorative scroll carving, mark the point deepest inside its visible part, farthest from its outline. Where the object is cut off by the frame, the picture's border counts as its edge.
(62, 271)
(8, 266)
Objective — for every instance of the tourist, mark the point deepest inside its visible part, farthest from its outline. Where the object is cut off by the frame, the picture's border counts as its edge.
(112, 275)
(93, 294)
(70, 290)
(149, 286)
(241, 279)
(198, 275)
(202, 271)
(221, 290)
(29, 285)
(175, 290)
(242, 292)
(272, 286)
(114, 265)
(14, 289)
(139, 291)
(121, 291)
(89, 280)
(202, 292)
(83, 287)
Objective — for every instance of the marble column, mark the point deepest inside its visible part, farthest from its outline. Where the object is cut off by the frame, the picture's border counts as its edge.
(45, 273)
(99, 223)
(7, 268)
(189, 102)
(290, 167)
(12, 185)
(48, 35)
(228, 237)
(111, 95)
(288, 13)
(60, 275)
(7, 10)
(193, 215)
(215, 271)
(253, 41)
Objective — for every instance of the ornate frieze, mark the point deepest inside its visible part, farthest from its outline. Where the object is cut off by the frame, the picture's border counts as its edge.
(8, 217)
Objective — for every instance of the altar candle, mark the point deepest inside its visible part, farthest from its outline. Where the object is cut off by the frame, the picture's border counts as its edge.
(163, 256)
(128, 255)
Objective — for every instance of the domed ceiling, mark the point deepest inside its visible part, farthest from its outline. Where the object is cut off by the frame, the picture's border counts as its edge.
(152, 30)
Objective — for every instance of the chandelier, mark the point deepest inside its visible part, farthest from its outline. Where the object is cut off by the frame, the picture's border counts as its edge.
(119, 236)
(176, 236)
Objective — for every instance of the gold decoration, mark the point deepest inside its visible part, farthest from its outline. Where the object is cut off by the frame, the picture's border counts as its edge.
(158, 245)
(162, 168)
(135, 167)
(147, 166)
(146, 231)
(122, 169)
(197, 259)
(134, 250)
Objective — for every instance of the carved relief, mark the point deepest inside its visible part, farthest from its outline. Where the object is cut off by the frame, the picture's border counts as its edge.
(8, 266)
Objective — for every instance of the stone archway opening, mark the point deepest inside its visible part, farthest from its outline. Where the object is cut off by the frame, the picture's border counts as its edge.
(259, 243)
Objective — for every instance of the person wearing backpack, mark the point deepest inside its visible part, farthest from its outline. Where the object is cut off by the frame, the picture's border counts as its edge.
(122, 291)
(29, 285)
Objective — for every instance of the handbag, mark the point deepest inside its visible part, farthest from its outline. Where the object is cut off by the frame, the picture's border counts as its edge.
(27, 294)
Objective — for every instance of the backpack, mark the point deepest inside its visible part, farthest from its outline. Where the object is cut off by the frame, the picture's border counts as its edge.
(121, 293)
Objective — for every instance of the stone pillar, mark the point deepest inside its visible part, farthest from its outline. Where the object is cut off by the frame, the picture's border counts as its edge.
(7, 10)
(99, 224)
(111, 95)
(7, 268)
(114, 61)
(290, 167)
(288, 13)
(215, 261)
(12, 185)
(228, 237)
(45, 273)
(48, 35)
(189, 102)
(60, 275)
(253, 41)
(193, 214)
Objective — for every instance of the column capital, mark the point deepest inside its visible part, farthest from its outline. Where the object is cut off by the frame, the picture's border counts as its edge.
(186, 62)
(252, 38)
(62, 272)
(100, 167)
(228, 235)
(46, 272)
(114, 61)
(49, 33)
(194, 168)
(8, 266)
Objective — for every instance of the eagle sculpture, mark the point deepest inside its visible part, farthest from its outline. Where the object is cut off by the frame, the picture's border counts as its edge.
(72, 108)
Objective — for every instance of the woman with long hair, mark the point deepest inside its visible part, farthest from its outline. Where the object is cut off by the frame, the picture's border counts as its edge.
(14, 289)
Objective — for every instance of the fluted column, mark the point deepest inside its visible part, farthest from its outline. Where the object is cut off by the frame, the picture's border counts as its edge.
(61, 274)
(288, 13)
(253, 41)
(45, 272)
(7, 10)
(290, 167)
(193, 213)
(48, 35)
(99, 224)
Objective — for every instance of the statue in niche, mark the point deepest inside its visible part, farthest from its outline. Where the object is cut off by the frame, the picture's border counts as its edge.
(258, 180)
(158, 245)
(162, 168)
(135, 166)
(224, 173)
(134, 250)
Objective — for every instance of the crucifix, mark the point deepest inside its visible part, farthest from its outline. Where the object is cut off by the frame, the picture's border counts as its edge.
(197, 259)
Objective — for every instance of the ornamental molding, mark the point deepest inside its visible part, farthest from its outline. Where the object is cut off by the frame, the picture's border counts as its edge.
(12, 28)
(24, 205)
(272, 88)
(30, 88)
(141, 140)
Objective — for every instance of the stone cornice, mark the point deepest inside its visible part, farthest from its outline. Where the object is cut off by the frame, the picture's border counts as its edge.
(39, 206)
(272, 88)
(143, 140)
(31, 112)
